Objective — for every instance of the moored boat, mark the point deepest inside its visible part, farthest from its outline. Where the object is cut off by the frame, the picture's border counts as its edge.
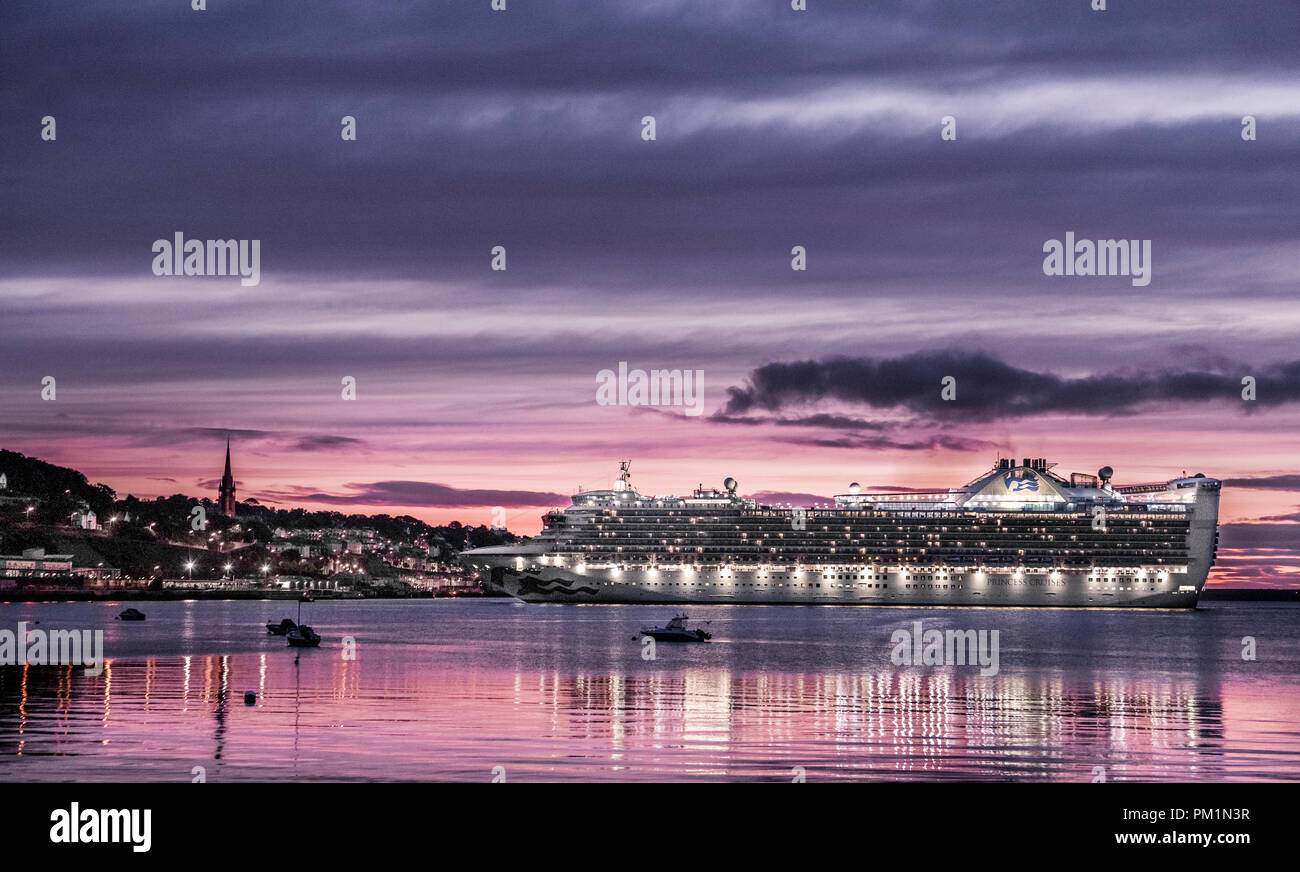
(280, 629)
(303, 636)
(676, 631)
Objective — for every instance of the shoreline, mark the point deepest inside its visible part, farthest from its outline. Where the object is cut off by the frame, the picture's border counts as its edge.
(54, 595)
(1230, 594)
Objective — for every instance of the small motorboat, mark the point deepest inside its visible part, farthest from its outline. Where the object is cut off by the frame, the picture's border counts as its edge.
(131, 615)
(280, 629)
(303, 636)
(676, 631)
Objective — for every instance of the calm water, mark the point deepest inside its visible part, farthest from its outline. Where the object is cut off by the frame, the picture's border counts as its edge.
(450, 689)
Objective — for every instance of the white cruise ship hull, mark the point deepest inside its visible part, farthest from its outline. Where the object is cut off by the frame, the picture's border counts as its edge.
(842, 587)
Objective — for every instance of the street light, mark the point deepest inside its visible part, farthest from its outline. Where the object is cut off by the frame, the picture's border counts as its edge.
(189, 567)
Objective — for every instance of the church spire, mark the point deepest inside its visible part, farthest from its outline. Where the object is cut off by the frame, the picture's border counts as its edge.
(227, 490)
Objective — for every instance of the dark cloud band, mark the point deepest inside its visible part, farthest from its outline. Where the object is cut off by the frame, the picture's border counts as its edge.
(987, 388)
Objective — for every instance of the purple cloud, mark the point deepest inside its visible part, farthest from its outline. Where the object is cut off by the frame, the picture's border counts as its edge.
(419, 493)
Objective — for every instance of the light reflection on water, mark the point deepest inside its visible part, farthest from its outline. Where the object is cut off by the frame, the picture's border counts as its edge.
(450, 689)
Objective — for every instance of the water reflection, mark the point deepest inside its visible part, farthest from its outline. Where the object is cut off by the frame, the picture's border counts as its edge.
(318, 719)
(563, 695)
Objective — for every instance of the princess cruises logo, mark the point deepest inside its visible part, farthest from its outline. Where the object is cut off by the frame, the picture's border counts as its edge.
(1016, 483)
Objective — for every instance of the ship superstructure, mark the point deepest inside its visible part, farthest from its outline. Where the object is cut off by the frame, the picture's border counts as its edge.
(1018, 535)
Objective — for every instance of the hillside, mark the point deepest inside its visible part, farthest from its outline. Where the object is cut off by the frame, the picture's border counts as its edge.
(55, 492)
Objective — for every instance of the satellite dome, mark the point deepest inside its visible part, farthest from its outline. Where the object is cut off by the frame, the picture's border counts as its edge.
(1105, 473)
(855, 488)
(730, 484)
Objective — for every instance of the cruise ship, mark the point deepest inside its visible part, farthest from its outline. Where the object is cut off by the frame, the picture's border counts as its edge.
(1018, 535)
